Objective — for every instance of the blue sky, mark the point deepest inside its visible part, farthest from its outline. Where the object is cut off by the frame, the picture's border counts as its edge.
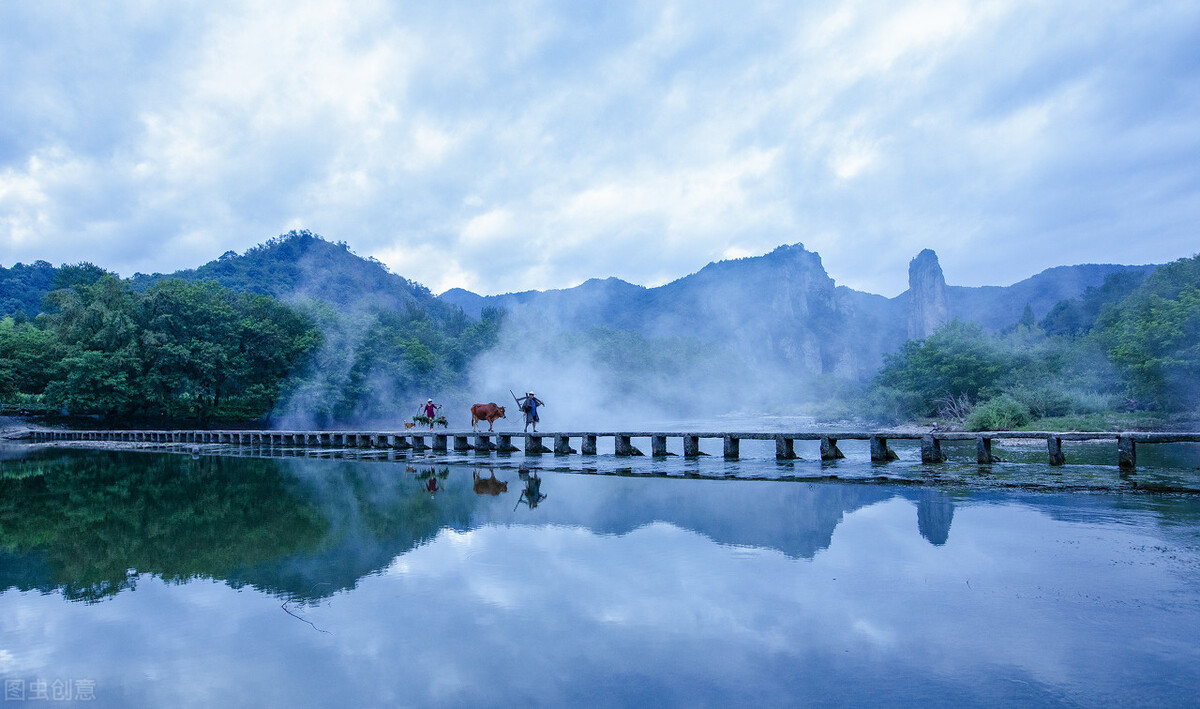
(508, 146)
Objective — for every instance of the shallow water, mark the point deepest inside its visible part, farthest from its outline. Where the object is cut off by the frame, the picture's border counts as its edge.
(279, 578)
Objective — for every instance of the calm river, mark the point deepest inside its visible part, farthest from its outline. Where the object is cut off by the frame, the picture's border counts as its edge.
(275, 578)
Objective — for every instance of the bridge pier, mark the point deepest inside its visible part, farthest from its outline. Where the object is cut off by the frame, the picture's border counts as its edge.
(483, 443)
(658, 446)
(440, 443)
(829, 449)
(880, 453)
(562, 445)
(785, 448)
(691, 447)
(1126, 453)
(418, 443)
(533, 446)
(461, 445)
(1054, 447)
(624, 447)
(588, 445)
(983, 451)
(931, 450)
(732, 448)
(504, 444)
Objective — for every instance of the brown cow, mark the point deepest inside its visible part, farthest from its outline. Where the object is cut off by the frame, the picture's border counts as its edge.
(485, 412)
(489, 486)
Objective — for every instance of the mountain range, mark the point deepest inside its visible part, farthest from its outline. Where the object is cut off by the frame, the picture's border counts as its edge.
(783, 308)
(780, 309)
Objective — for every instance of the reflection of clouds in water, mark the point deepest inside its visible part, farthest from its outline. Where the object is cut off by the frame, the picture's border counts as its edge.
(560, 614)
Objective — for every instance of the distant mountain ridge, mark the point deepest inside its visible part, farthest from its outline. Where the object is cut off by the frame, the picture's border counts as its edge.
(783, 307)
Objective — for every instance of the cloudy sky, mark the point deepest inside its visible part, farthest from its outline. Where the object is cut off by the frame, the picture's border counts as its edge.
(508, 146)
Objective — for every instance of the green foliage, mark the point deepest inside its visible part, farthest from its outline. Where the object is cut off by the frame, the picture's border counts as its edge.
(1133, 343)
(1077, 316)
(177, 351)
(1100, 421)
(958, 359)
(888, 405)
(301, 264)
(426, 421)
(25, 359)
(23, 288)
(1042, 401)
(372, 363)
(1153, 336)
(1001, 413)
(385, 339)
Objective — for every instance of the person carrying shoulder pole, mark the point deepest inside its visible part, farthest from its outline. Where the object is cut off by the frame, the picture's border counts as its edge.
(430, 411)
(529, 405)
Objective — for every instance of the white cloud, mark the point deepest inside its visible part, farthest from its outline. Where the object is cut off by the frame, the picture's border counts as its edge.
(533, 145)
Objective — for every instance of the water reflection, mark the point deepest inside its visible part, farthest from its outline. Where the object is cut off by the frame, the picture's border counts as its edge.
(623, 591)
(489, 485)
(532, 495)
(89, 524)
(935, 512)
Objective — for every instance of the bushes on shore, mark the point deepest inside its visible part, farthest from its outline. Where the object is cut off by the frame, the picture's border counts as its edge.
(1140, 354)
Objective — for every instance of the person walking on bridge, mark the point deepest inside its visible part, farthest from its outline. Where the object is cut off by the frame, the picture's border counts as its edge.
(529, 405)
(430, 410)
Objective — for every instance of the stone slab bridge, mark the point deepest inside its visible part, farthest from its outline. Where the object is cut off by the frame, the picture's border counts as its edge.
(534, 443)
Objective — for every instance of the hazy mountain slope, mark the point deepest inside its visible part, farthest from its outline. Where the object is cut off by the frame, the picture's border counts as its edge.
(783, 308)
(301, 265)
(597, 302)
(997, 307)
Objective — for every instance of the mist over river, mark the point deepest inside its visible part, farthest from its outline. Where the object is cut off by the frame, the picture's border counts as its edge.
(259, 576)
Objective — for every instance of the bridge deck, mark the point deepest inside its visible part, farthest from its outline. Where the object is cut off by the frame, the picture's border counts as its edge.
(439, 441)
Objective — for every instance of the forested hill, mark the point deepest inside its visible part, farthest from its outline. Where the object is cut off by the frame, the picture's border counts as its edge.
(298, 329)
(24, 287)
(387, 341)
(300, 266)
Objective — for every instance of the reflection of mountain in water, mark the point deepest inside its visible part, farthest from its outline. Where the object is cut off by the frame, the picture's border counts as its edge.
(935, 511)
(375, 512)
(87, 524)
(796, 518)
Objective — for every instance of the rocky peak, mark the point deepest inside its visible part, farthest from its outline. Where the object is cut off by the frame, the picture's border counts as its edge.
(928, 307)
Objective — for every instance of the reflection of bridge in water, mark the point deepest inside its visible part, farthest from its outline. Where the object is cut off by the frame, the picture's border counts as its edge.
(534, 443)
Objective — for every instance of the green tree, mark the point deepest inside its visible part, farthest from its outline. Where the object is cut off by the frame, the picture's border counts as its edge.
(1153, 336)
(957, 359)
